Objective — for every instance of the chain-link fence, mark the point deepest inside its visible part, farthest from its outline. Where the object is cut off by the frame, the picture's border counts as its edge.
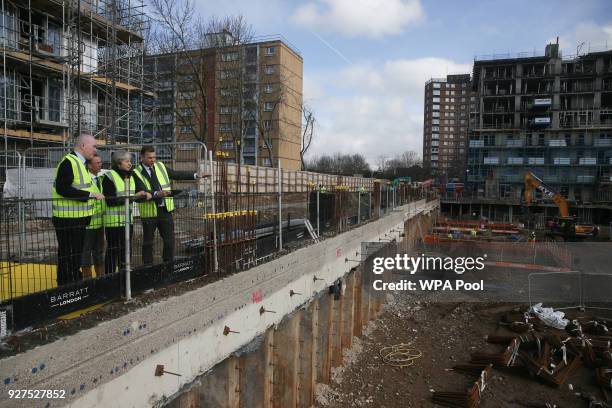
(575, 289)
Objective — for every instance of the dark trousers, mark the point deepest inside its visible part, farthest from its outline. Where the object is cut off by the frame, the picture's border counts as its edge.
(115, 249)
(70, 234)
(165, 224)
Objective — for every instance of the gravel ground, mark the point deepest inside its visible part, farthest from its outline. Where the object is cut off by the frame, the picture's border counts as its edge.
(445, 333)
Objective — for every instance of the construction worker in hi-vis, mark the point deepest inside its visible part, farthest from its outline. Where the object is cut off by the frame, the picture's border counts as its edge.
(73, 196)
(156, 215)
(114, 187)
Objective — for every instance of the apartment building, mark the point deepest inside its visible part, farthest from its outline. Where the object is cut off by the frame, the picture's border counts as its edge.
(243, 101)
(445, 125)
(546, 114)
(69, 67)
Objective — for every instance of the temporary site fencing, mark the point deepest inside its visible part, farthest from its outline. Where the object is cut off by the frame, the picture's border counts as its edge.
(230, 221)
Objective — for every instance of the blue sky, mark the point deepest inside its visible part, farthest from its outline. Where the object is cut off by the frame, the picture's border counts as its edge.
(367, 93)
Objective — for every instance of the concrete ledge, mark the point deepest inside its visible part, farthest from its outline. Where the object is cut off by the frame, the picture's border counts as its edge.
(113, 364)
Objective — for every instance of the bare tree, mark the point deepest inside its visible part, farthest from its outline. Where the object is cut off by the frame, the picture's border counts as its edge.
(308, 122)
(196, 52)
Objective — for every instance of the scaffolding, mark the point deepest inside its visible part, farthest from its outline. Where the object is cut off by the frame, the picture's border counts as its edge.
(72, 67)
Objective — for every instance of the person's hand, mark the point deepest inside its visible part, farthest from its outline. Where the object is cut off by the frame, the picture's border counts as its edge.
(148, 196)
(97, 196)
(141, 194)
(162, 194)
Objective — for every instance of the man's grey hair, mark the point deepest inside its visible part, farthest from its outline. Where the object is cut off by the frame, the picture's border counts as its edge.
(81, 139)
(120, 155)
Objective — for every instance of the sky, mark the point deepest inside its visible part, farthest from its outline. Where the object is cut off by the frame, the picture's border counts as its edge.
(366, 61)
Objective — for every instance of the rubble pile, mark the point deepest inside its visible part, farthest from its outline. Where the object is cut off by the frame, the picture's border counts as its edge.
(546, 347)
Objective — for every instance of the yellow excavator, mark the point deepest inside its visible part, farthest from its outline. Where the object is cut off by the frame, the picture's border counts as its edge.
(565, 226)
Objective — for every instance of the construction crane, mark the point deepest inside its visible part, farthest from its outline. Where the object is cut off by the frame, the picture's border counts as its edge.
(565, 226)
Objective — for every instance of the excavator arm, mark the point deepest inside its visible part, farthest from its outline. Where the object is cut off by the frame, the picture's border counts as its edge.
(533, 182)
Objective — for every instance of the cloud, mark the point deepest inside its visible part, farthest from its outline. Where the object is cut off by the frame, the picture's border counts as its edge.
(369, 18)
(594, 36)
(376, 110)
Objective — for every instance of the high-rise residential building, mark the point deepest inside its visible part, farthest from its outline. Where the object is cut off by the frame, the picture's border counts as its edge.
(546, 114)
(71, 67)
(244, 101)
(445, 125)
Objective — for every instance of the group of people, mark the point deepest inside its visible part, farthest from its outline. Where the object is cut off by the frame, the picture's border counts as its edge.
(89, 211)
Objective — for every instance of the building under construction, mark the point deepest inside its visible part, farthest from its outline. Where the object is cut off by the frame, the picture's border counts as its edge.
(548, 114)
(71, 66)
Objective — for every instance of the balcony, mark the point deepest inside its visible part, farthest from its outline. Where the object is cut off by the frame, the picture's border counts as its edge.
(535, 160)
(587, 161)
(514, 143)
(557, 143)
(561, 161)
(476, 143)
(540, 122)
(490, 160)
(542, 103)
(585, 179)
(515, 160)
(602, 142)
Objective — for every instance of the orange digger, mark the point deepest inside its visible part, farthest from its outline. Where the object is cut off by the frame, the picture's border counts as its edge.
(565, 226)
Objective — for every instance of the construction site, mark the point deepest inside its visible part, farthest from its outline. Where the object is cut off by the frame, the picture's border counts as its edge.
(285, 287)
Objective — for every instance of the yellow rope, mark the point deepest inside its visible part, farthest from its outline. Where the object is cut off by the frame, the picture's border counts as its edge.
(400, 355)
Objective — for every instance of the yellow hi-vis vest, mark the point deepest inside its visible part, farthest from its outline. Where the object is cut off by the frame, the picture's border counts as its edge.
(81, 180)
(97, 218)
(114, 216)
(148, 209)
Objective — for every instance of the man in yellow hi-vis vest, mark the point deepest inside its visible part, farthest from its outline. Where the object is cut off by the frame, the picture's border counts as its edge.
(73, 202)
(157, 213)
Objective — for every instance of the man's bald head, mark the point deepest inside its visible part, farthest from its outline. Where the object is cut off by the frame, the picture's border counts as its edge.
(86, 145)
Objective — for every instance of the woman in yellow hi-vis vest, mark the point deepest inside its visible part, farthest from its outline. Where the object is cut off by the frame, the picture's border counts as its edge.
(113, 187)
(73, 202)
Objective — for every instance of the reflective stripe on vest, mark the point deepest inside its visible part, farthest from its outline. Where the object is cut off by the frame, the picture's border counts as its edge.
(81, 180)
(114, 216)
(97, 218)
(148, 209)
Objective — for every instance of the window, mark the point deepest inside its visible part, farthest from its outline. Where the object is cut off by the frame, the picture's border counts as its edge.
(435, 121)
(270, 69)
(229, 56)
(435, 114)
(228, 73)
(270, 50)
(269, 88)
(185, 129)
(436, 85)
(266, 162)
(188, 95)
(436, 100)
(187, 112)
(436, 107)
(268, 106)
(224, 110)
(227, 145)
(225, 127)
(436, 92)
(267, 124)
(228, 92)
